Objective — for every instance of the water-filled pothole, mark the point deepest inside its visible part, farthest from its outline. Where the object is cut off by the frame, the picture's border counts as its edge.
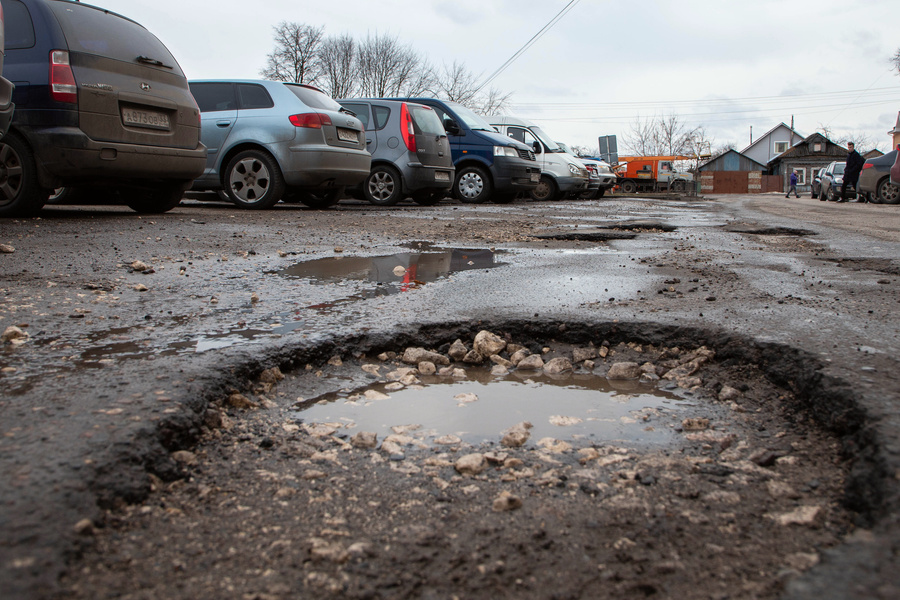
(481, 407)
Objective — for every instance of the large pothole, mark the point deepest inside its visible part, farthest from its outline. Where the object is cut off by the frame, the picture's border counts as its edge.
(741, 496)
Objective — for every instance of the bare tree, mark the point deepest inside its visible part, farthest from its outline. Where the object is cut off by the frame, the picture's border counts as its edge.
(387, 68)
(295, 57)
(337, 63)
(895, 60)
(457, 84)
(640, 137)
(665, 135)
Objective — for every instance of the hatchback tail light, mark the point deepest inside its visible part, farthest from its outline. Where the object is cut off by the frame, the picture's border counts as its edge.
(407, 129)
(310, 120)
(62, 79)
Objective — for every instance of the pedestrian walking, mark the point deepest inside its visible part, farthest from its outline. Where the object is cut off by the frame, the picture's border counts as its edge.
(793, 187)
(852, 169)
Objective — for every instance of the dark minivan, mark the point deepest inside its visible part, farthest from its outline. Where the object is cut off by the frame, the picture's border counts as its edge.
(6, 87)
(488, 165)
(101, 106)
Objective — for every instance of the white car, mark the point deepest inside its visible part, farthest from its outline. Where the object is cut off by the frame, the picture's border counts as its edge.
(601, 179)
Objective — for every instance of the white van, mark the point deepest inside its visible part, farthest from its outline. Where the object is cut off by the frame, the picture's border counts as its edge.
(561, 174)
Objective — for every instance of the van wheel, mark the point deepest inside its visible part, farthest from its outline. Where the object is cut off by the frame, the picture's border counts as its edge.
(253, 180)
(154, 200)
(887, 193)
(546, 190)
(428, 198)
(20, 193)
(473, 185)
(383, 186)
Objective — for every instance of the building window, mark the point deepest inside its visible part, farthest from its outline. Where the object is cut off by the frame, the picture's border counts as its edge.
(818, 147)
(801, 176)
(781, 147)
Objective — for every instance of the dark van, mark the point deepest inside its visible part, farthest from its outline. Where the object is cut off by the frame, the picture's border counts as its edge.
(488, 165)
(101, 105)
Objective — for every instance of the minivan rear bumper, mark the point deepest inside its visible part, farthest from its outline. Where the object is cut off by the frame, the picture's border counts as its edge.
(515, 174)
(66, 156)
(418, 177)
(324, 166)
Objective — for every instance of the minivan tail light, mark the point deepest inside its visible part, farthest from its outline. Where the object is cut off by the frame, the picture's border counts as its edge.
(310, 120)
(406, 128)
(62, 79)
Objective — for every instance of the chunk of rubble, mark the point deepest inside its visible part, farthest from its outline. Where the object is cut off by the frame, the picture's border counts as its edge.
(487, 343)
(413, 356)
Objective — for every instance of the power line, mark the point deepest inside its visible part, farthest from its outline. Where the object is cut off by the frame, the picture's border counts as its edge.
(529, 43)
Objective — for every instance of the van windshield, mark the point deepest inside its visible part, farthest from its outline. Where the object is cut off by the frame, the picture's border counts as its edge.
(470, 119)
(546, 139)
(98, 32)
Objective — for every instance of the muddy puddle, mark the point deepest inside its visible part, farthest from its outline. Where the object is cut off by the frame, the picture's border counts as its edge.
(480, 408)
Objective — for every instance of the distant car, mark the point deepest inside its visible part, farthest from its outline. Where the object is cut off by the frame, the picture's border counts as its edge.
(815, 186)
(832, 179)
(410, 152)
(101, 106)
(875, 180)
(6, 87)
(602, 173)
(270, 140)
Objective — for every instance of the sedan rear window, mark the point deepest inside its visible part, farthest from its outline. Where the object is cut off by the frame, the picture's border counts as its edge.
(102, 33)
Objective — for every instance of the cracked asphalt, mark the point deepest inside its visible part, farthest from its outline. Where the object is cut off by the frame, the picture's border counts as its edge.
(119, 359)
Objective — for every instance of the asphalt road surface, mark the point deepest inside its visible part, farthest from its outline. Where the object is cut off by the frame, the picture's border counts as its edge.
(133, 326)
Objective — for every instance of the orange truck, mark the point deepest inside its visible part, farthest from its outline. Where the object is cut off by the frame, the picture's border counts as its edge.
(651, 173)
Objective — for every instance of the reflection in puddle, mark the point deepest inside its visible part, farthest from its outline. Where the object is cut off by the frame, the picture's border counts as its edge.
(479, 410)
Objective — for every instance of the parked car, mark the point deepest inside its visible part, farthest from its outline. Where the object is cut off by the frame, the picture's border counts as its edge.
(270, 140)
(895, 168)
(561, 173)
(421, 166)
(6, 86)
(101, 104)
(489, 166)
(875, 180)
(832, 179)
(601, 174)
(815, 186)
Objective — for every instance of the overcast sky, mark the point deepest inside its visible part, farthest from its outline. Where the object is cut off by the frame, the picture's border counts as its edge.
(730, 66)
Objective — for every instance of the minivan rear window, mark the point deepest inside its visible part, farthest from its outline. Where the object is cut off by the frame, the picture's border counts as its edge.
(102, 33)
(19, 28)
(426, 120)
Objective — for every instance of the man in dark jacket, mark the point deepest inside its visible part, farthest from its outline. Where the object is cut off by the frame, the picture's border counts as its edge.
(852, 169)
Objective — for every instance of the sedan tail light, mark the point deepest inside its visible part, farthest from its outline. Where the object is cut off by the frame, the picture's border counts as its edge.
(62, 79)
(867, 166)
(310, 120)
(407, 129)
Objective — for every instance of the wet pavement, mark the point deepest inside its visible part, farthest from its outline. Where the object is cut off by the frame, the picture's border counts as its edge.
(115, 357)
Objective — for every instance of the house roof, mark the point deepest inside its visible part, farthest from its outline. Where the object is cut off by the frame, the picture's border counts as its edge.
(724, 154)
(766, 134)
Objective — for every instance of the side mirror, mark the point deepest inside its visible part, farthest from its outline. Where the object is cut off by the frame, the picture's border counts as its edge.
(451, 127)
(536, 146)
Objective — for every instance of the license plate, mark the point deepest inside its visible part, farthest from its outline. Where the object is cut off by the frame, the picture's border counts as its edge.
(145, 118)
(441, 176)
(347, 135)
(535, 177)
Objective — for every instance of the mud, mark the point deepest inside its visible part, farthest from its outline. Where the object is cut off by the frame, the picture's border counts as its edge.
(129, 475)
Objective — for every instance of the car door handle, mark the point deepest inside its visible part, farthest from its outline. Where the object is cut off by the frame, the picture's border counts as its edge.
(223, 123)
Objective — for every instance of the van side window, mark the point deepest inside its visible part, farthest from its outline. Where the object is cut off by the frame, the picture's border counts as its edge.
(211, 97)
(516, 134)
(360, 110)
(381, 115)
(19, 28)
(254, 96)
